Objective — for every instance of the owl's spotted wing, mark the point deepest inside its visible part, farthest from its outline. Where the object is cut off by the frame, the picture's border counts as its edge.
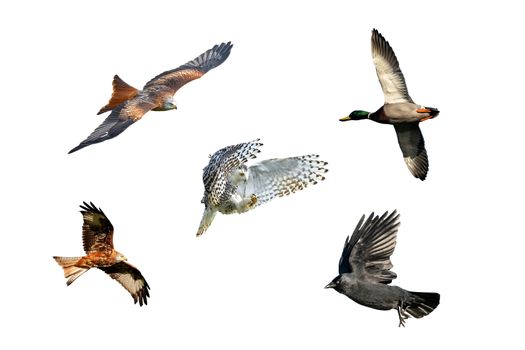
(119, 120)
(216, 174)
(279, 177)
(194, 69)
(97, 230)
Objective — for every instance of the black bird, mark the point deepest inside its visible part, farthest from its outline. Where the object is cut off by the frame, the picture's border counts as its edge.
(364, 270)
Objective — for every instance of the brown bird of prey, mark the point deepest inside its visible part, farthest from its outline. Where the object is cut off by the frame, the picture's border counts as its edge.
(97, 237)
(128, 105)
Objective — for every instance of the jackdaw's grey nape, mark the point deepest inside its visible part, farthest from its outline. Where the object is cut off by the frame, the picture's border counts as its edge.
(364, 270)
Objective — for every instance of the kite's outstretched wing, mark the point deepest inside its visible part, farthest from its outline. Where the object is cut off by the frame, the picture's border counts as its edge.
(131, 279)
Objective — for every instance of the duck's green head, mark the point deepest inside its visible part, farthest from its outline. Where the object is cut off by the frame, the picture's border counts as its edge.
(356, 115)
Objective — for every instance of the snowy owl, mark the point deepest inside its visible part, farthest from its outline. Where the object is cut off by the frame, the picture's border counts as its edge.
(232, 187)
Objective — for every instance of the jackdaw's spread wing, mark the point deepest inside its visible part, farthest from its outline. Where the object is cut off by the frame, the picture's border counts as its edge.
(367, 253)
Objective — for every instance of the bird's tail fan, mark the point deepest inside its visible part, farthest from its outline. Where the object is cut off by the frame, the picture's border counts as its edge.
(422, 304)
(71, 271)
(206, 220)
(433, 111)
(121, 93)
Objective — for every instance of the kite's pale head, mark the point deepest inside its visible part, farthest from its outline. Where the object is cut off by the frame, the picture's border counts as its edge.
(169, 105)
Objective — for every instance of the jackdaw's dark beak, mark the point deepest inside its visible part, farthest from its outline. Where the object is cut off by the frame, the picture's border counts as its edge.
(330, 285)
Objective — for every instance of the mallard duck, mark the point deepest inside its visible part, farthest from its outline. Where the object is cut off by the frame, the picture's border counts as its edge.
(398, 109)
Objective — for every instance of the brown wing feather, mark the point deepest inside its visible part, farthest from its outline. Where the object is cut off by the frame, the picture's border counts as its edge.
(136, 108)
(131, 279)
(97, 231)
(119, 120)
(176, 78)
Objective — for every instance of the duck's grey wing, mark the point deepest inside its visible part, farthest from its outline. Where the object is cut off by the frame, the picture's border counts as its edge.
(194, 69)
(412, 145)
(279, 177)
(216, 174)
(119, 120)
(367, 253)
(387, 68)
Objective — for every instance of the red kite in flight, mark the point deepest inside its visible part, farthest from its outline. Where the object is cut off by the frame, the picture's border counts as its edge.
(128, 104)
(97, 237)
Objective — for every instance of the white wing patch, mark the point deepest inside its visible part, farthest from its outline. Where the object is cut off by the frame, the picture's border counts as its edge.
(280, 177)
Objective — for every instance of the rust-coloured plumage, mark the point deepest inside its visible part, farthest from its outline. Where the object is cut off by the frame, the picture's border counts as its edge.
(121, 93)
(128, 104)
(97, 238)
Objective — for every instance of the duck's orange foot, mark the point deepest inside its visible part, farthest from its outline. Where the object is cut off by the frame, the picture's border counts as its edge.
(423, 110)
(425, 118)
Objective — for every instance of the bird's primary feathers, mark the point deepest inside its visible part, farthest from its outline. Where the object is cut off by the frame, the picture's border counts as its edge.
(232, 187)
(128, 105)
(399, 109)
(97, 238)
(364, 270)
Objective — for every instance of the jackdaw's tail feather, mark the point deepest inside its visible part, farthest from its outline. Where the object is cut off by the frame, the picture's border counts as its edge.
(423, 304)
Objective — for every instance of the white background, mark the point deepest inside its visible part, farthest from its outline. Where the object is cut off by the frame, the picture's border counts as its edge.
(255, 281)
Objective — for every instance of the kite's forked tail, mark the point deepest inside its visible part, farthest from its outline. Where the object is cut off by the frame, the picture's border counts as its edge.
(71, 271)
(121, 93)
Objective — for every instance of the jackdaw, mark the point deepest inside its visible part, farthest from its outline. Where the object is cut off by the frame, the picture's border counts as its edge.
(364, 270)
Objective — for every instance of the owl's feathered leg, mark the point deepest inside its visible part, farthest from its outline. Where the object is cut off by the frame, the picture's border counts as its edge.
(206, 220)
